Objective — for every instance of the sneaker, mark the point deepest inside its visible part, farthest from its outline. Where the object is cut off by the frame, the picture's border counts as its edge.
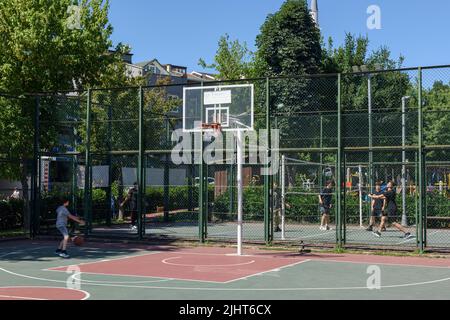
(64, 255)
(277, 229)
(322, 228)
(328, 228)
(408, 236)
(384, 229)
(133, 228)
(370, 228)
(58, 251)
(377, 234)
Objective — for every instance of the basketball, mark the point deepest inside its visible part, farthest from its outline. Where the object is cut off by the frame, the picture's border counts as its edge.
(78, 241)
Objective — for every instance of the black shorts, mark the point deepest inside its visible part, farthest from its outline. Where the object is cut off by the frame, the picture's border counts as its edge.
(392, 215)
(325, 210)
(377, 213)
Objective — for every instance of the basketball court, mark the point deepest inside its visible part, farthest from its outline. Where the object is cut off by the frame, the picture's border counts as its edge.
(30, 270)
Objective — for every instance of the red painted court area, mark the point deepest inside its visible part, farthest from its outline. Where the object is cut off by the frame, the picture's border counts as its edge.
(219, 265)
(41, 293)
(189, 265)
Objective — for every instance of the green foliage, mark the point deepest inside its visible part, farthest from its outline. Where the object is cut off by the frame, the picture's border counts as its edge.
(39, 51)
(253, 204)
(289, 42)
(233, 60)
(11, 214)
(437, 117)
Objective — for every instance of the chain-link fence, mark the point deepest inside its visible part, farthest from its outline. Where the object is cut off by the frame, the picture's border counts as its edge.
(110, 151)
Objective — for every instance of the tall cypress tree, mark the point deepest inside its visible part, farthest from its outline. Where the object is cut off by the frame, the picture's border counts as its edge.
(289, 43)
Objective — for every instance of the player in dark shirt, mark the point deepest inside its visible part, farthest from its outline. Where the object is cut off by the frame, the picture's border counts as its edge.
(131, 200)
(376, 207)
(390, 211)
(325, 203)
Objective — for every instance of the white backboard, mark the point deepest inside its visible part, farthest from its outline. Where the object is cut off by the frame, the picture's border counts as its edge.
(232, 106)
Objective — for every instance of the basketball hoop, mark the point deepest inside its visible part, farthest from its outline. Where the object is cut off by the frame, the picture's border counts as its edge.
(215, 127)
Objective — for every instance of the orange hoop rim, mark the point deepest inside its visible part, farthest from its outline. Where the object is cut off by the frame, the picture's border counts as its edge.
(215, 126)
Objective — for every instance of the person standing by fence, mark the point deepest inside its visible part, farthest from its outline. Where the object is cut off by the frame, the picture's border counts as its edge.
(131, 200)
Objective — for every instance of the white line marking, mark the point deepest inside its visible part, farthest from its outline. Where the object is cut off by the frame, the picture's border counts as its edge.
(165, 261)
(99, 261)
(20, 298)
(237, 289)
(119, 282)
(272, 270)
(87, 295)
(380, 263)
(138, 276)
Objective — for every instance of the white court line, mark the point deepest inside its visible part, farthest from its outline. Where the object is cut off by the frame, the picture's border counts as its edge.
(272, 270)
(103, 260)
(87, 295)
(380, 263)
(238, 289)
(160, 279)
(269, 255)
(20, 298)
(118, 282)
(165, 261)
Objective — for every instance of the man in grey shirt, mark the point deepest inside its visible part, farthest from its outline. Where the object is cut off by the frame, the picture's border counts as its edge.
(63, 215)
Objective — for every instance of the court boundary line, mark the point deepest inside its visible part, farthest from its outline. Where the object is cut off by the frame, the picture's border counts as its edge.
(380, 263)
(87, 295)
(242, 289)
(164, 261)
(103, 260)
(272, 270)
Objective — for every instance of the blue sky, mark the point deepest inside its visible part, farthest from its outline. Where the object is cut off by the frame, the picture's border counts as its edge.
(182, 31)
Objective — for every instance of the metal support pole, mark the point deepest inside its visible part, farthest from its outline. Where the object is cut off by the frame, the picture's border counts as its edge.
(109, 194)
(240, 187)
(35, 176)
(166, 174)
(369, 98)
(404, 213)
(339, 172)
(141, 173)
(422, 176)
(203, 190)
(283, 197)
(268, 218)
(87, 169)
(360, 193)
(321, 182)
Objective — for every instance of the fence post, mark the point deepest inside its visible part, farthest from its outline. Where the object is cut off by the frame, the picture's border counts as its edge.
(35, 177)
(203, 192)
(141, 174)
(422, 174)
(87, 168)
(339, 170)
(268, 230)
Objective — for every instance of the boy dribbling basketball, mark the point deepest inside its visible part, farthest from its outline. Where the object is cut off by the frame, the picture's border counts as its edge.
(63, 215)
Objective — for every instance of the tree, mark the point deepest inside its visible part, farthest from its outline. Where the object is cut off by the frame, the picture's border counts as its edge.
(437, 118)
(289, 46)
(289, 42)
(233, 60)
(48, 45)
